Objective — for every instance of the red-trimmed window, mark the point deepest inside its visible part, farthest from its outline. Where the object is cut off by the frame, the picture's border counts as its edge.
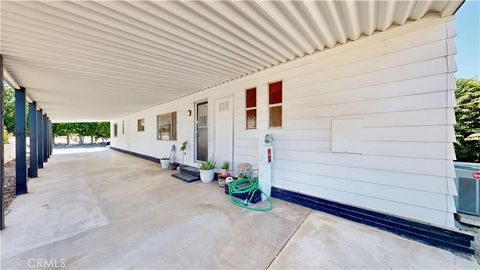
(275, 99)
(251, 108)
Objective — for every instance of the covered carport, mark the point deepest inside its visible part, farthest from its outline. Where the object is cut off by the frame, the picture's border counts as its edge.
(99, 61)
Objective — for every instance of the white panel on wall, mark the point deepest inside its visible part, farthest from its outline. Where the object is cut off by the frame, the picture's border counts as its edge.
(346, 136)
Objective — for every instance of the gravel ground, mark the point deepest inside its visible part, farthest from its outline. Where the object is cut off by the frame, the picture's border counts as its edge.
(9, 188)
(476, 243)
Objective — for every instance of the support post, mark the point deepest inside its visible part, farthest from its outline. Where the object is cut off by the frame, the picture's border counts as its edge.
(45, 138)
(52, 138)
(32, 128)
(40, 139)
(20, 143)
(2, 176)
(49, 136)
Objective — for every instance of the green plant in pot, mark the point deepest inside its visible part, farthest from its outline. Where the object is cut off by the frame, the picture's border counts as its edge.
(225, 167)
(183, 149)
(207, 170)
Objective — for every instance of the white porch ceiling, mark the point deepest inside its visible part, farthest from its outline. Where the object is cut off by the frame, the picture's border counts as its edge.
(89, 60)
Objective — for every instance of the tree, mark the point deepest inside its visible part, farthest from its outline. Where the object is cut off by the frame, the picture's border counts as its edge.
(102, 130)
(81, 130)
(62, 129)
(96, 130)
(467, 113)
(9, 108)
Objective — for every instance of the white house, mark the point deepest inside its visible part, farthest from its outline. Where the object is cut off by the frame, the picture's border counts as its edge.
(391, 93)
(358, 95)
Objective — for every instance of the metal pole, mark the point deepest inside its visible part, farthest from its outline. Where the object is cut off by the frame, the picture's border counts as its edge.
(32, 127)
(20, 142)
(49, 136)
(47, 143)
(2, 176)
(52, 138)
(45, 134)
(40, 139)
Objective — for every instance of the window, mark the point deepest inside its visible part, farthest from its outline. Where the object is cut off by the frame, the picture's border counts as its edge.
(115, 130)
(167, 126)
(275, 104)
(251, 108)
(141, 125)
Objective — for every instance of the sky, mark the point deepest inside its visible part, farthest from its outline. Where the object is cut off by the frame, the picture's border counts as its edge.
(468, 40)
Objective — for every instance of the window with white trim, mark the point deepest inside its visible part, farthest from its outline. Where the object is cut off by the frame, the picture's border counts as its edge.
(167, 126)
(141, 125)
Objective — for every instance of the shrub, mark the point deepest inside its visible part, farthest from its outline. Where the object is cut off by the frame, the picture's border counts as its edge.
(467, 113)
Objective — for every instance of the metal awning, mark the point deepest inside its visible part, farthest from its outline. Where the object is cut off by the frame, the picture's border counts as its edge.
(85, 60)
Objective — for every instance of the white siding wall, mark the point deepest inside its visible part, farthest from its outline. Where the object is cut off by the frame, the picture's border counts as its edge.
(400, 83)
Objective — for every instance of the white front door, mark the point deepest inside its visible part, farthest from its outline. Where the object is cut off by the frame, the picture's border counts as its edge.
(224, 131)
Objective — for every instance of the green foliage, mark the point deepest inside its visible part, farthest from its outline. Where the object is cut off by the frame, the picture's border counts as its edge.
(62, 129)
(208, 165)
(6, 136)
(226, 165)
(9, 108)
(467, 112)
(183, 149)
(98, 130)
(102, 130)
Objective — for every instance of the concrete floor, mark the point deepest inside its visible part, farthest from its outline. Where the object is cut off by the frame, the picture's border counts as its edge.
(94, 209)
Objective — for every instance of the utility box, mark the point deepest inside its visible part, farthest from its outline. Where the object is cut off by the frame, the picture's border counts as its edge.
(265, 159)
(468, 186)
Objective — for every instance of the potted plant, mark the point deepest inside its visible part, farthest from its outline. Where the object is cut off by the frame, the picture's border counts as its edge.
(183, 149)
(225, 167)
(225, 173)
(165, 162)
(207, 170)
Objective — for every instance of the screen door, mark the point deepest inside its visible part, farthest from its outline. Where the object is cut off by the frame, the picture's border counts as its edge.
(201, 126)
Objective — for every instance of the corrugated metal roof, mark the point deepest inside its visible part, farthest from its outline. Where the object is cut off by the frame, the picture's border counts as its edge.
(117, 57)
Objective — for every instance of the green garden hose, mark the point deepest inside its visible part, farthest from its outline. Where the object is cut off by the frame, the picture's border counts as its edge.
(250, 191)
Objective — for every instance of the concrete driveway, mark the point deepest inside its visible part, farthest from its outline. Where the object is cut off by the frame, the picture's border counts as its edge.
(100, 209)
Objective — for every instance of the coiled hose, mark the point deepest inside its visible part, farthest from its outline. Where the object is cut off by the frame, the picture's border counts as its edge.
(250, 190)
